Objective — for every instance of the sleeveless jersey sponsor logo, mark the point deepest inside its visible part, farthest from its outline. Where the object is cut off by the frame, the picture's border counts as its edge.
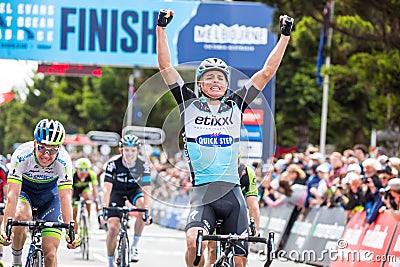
(213, 121)
(215, 140)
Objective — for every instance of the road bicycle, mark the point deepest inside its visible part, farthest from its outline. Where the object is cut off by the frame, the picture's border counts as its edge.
(226, 259)
(123, 253)
(35, 256)
(84, 227)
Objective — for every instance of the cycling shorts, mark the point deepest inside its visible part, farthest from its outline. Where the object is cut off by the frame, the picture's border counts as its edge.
(49, 210)
(77, 194)
(230, 207)
(117, 199)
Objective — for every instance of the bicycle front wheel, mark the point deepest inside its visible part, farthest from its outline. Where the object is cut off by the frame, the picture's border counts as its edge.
(84, 233)
(37, 259)
(123, 251)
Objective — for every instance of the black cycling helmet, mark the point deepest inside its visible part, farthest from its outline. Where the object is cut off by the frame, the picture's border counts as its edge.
(130, 140)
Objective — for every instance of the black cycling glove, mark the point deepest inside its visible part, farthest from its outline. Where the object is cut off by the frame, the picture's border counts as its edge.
(162, 20)
(287, 28)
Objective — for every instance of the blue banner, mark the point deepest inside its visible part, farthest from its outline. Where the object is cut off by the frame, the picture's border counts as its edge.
(119, 33)
(237, 32)
(122, 33)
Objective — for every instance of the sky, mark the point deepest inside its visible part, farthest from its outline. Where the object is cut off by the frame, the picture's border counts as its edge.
(16, 74)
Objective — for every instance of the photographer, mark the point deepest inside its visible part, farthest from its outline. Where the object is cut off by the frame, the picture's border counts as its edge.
(392, 198)
(350, 194)
(385, 176)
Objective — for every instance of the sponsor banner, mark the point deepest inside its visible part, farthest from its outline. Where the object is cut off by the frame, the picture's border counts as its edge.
(393, 255)
(253, 117)
(273, 220)
(251, 133)
(363, 245)
(326, 232)
(251, 149)
(123, 33)
(298, 235)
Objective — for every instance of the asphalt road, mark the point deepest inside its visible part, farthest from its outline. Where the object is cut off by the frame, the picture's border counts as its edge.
(159, 246)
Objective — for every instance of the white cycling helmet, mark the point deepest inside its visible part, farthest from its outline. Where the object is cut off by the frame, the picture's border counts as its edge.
(49, 132)
(212, 64)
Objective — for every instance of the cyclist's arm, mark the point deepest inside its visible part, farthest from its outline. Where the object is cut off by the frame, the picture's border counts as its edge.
(93, 178)
(170, 75)
(107, 188)
(146, 197)
(254, 210)
(263, 76)
(65, 197)
(14, 190)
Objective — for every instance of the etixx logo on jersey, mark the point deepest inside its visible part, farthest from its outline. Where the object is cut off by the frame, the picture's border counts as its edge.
(215, 140)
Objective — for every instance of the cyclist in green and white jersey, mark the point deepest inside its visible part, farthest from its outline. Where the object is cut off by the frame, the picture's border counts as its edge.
(84, 184)
(40, 176)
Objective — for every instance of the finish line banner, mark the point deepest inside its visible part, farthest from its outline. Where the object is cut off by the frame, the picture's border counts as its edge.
(122, 33)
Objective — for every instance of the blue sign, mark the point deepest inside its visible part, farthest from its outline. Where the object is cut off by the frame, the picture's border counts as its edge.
(122, 33)
(85, 32)
(236, 32)
(251, 133)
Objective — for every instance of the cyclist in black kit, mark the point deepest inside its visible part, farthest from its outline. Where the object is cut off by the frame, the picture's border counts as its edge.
(126, 177)
(211, 131)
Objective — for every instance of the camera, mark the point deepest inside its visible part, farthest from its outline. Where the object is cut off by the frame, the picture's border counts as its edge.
(384, 192)
(340, 187)
(365, 180)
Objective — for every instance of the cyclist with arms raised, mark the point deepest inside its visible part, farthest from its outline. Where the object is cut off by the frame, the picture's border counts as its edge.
(126, 177)
(211, 132)
(40, 176)
(83, 180)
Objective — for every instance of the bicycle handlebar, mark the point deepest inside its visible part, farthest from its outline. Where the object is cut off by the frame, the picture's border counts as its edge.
(231, 238)
(41, 224)
(126, 210)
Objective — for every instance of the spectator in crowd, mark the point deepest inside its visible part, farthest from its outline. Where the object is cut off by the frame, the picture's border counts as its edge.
(384, 177)
(317, 193)
(288, 193)
(317, 158)
(296, 175)
(361, 153)
(347, 153)
(338, 169)
(351, 194)
(371, 167)
(392, 199)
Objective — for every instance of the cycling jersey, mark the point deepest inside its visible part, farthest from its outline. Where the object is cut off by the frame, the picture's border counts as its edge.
(212, 138)
(40, 185)
(126, 182)
(124, 179)
(26, 171)
(80, 186)
(248, 181)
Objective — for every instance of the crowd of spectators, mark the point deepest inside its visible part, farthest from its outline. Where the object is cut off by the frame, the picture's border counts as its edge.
(352, 179)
